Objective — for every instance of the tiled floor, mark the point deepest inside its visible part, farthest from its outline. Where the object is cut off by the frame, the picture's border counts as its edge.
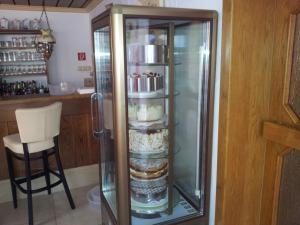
(52, 210)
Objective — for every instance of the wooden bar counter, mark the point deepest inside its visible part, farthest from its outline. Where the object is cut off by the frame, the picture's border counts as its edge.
(77, 146)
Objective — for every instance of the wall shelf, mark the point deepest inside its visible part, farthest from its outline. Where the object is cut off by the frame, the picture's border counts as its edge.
(15, 48)
(25, 74)
(20, 32)
(21, 61)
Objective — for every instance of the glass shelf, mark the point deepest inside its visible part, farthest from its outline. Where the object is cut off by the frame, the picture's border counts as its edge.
(16, 48)
(136, 95)
(151, 64)
(25, 74)
(153, 155)
(19, 32)
(148, 64)
(21, 61)
(144, 126)
(151, 126)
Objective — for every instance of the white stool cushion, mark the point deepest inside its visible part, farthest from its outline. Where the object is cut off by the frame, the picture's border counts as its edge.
(13, 142)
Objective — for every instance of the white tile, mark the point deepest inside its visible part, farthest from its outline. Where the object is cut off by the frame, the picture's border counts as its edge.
(82, 215)
(43, 212)
(11, 216)
(53, 210)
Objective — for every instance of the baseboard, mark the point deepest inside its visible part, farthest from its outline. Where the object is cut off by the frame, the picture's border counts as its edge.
(76, 177)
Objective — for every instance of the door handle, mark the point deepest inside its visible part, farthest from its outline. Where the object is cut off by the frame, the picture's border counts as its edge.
(97, 130)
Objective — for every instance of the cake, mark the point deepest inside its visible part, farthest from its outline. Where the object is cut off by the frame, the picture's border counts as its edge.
(148, 168)
(148, 175)
(148, 141)
(132, 110)
(149, 112)
(145, 112)
(146, 84)
(149, 196)
(148, 165)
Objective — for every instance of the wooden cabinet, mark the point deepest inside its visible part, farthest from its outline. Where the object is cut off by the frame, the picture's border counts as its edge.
(3, 164)
(77, 146)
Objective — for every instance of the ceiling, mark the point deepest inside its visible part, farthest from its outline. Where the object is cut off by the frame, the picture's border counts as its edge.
(53, 3)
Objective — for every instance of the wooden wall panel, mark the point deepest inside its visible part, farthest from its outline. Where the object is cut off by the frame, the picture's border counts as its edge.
(7, 2)
(3, 163)
(21, 2)
(81, 139)
(78, 3)
(64, 3)
(12, 127)
(66, 143)
(51, 2)
(94, 146)
(19, 168)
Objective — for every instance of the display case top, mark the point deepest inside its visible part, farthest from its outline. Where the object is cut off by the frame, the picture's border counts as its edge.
(158, 12)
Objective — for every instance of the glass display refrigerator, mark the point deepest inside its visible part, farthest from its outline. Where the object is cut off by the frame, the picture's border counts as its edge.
(152, 112)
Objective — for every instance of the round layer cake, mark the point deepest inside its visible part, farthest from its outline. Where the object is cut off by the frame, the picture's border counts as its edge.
(148, 141)
(148, 165)
(145, 112)
(149, 196)
(146, 84)
(148, 168)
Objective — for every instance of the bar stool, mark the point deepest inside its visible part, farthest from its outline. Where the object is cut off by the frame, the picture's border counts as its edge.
(37, 139)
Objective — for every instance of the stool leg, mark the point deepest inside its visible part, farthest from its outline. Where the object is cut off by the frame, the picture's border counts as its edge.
(28, 179)
(61, 172)
(11, 177)
(46, 171)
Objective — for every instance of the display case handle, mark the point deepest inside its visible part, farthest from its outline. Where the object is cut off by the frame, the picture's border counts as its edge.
(98, 119)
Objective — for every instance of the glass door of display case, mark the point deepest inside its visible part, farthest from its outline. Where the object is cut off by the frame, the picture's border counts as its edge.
(156, 113)
(168, 65)
(102, 108)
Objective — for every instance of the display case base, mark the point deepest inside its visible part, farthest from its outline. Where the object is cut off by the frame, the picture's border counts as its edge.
(182, 210)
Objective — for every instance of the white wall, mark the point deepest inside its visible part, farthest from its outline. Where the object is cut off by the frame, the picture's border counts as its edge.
(194, 4)
(73, 34)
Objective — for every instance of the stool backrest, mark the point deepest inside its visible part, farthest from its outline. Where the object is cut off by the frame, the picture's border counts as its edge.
(39, 124)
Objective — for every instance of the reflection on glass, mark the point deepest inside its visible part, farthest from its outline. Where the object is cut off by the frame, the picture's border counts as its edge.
(192, 48)
(159, 192)
(104, 87)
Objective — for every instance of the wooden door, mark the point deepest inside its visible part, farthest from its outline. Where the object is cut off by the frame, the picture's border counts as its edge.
(259, 130)
(281, 186)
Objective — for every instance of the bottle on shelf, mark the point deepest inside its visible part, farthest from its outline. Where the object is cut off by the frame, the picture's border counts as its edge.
(22, 88)
(20, 58)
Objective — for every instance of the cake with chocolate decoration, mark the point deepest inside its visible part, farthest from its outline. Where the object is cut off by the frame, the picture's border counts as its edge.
(145, 84)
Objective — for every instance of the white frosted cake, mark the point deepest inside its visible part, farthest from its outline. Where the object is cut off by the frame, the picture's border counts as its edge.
(148, 141)
(145, 112)
(132, 111)
(149, 112)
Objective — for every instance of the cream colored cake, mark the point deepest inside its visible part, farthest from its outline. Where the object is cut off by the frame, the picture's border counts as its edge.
(149, 112)
(132, 110)
(148, 142)
(145, 112)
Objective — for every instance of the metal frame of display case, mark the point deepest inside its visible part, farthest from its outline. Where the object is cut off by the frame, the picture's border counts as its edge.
(117, 15)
